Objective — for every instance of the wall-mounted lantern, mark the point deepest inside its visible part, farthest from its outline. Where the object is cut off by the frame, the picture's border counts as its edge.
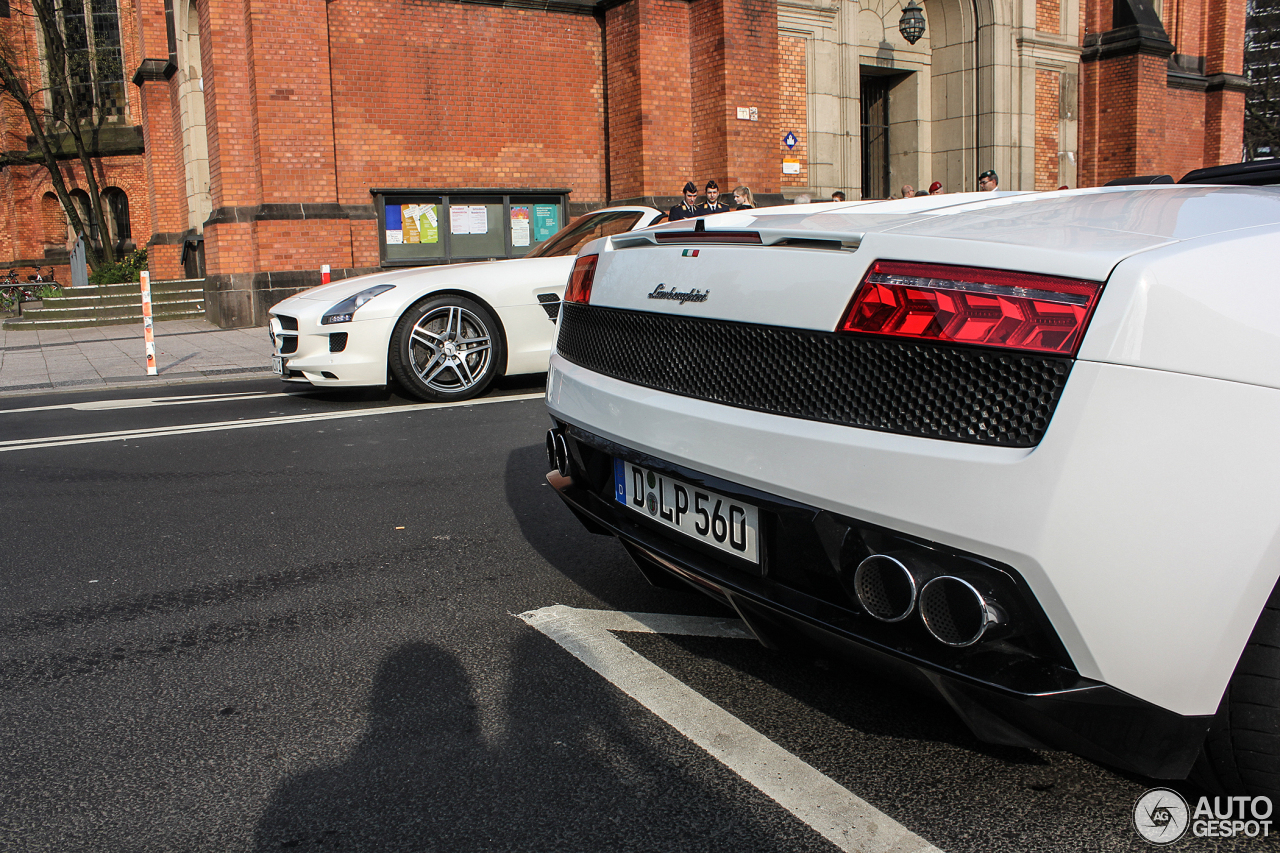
(911, 24)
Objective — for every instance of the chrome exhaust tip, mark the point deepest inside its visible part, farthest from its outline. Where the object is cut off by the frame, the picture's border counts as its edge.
(955, 613)
(885, 587)
(551, 449)
(561, 455)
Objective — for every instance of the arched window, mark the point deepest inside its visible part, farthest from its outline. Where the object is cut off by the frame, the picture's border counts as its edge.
(95, 66)
(80, 199)
(115, 209)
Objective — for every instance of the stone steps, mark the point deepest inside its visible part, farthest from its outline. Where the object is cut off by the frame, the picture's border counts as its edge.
(112, 305)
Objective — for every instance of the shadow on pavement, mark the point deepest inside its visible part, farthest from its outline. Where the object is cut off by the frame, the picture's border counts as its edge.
(566, 763)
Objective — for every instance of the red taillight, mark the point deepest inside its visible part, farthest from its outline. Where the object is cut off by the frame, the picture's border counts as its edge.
(966, 305)
(584, 272)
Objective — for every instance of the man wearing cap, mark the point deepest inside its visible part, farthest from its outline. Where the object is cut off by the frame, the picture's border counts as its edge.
(935, 188)
(713, 204)
(989, 181)
(688, 208)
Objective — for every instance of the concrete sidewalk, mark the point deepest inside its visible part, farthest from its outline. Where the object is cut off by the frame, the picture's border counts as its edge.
(113, 356)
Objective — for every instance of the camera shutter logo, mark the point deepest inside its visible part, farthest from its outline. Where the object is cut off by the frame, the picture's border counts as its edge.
(1161, 816)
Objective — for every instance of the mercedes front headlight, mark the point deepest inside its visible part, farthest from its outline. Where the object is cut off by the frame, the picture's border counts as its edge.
(345, 310)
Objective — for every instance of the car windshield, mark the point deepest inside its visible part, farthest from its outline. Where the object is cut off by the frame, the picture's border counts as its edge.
(583, 230)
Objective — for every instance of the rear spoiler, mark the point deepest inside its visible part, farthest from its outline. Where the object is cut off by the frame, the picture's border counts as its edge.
(700, 235)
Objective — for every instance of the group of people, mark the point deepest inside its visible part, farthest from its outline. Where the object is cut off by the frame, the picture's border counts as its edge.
(690, 207)
(909, 191)
(988, 181)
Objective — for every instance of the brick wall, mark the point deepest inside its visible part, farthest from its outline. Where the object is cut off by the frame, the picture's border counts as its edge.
(1049, 16)
(752, 59)
(290, 124)
(650, 121)
(708, 49)
(625, 83)
(160, 118)
(31, 218)
(536, 117)
(677, 73)
(1138, 117)
(793, 86)
(35, 223)
(1048, 84)
(314, 103)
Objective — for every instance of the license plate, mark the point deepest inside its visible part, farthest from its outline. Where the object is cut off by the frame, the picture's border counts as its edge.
(724, 523)
(277, 365)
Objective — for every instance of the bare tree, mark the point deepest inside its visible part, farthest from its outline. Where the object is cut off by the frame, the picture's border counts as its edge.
(64, 109)
(1262, 65)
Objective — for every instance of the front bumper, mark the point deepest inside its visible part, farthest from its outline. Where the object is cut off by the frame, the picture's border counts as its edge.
(341, 355)
(1021, 690)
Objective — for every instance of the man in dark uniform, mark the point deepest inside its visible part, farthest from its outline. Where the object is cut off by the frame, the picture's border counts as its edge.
(688, 208)
(713, 204)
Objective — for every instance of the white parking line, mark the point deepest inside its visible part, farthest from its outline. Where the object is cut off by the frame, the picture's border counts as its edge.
(154, 432)
(842, 818)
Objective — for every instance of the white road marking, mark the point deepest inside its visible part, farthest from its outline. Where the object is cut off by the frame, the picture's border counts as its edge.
(841, 817)
(155, 432)
(107, 405)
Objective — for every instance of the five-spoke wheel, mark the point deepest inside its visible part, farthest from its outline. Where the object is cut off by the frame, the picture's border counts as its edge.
(446, 348)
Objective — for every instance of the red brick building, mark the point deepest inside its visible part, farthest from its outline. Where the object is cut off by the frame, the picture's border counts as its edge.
(1152, 104)
(33, 226)
(260, 139)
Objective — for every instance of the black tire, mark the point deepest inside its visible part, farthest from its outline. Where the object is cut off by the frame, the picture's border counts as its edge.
(1241, 756)
(446, 348)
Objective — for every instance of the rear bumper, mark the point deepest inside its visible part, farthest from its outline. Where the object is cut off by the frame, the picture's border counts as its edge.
(1030, 697)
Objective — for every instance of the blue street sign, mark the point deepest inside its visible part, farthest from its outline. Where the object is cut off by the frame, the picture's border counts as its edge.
(790, 139)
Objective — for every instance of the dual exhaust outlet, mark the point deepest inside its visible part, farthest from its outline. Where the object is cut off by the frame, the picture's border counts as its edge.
(557, 452)
(955, 612)
(890, 587)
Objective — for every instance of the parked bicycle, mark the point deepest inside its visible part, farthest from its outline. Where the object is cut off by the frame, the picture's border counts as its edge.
(45, 283)
(13, 292)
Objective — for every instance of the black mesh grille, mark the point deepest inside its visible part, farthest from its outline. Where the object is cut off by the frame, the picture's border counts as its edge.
(337, 342)
(910, 388)
(288, 344)
(289, 324)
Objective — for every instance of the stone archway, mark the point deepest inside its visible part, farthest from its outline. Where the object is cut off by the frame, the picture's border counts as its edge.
(990, 85)
(956, 89)
(929, 90)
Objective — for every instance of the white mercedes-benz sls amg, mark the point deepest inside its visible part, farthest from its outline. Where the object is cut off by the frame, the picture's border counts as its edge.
(1015, 448)
(444, 333)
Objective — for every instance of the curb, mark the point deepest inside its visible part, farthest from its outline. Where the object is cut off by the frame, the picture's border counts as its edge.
(227, 375)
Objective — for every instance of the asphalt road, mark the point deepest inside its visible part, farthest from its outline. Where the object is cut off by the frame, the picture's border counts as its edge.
(235, 619)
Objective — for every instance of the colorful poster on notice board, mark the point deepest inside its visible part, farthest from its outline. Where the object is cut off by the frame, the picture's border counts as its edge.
(420, 223)
(429, 224)
(409, 223)
(519, 226)
(546, 221)
(394, 225)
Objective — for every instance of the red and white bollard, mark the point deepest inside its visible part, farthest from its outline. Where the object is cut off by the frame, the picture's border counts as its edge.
(144, 279)
(324, 273)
